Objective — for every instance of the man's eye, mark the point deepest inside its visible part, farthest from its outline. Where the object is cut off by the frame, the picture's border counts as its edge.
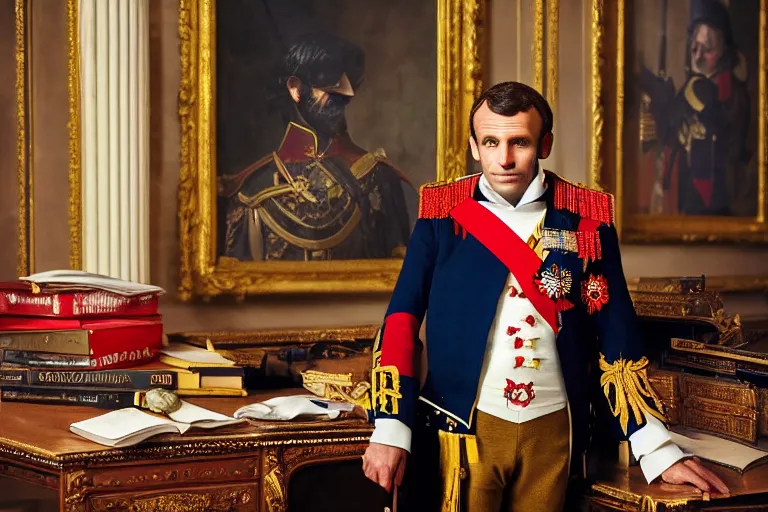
(521, 143)
(491, 143)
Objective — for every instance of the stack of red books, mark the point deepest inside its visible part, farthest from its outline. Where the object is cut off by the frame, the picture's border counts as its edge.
(70, 320)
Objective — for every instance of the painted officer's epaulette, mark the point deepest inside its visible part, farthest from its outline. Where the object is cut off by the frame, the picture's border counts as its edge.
(583, 201)
(437, 199)
(229, 184)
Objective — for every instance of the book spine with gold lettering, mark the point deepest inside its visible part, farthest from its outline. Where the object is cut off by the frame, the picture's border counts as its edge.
(122, 379)
(124, 359)
(101, 398)
(73, 341)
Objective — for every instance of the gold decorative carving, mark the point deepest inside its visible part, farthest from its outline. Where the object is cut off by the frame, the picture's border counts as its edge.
(538, 45)
(664, 298)
(724, 408)
(702, 363)
(76, 486)
(598, 110)
(189, 446)
(666, 384)
(720, 284)
(552, 44)
(274, 481)
(643, 503)
(718, 421)
(732, 393)
(189, 472)
(607, 153)
(217, 500)
(460, 56)
(461, 47)
(762, 427)
(734, 355)
(25, 257)
(73, 127)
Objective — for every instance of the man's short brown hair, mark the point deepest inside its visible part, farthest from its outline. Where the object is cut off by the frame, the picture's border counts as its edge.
(509, 98)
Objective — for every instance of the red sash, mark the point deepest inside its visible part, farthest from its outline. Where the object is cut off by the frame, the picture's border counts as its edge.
(510, 249)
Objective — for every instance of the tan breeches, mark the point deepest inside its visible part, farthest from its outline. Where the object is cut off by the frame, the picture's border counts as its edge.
(522, 467)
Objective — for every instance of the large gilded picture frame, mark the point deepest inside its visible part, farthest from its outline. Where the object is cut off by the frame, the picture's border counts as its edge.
(458, 38)
(25, 254)
(679, 118)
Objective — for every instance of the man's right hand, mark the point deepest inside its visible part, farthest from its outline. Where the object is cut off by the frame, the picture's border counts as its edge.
(383, 464)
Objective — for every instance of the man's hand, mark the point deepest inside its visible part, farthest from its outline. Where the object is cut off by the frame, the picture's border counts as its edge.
(383, 464)
(692, 472)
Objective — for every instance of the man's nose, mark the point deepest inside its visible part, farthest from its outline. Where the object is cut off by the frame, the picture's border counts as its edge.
(506, 156)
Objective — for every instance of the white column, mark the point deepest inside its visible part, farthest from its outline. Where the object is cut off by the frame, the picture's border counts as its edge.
(114, 44)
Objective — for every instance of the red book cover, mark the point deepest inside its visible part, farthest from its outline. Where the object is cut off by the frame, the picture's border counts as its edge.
(31, 323)
(113, 343)
(26, 298)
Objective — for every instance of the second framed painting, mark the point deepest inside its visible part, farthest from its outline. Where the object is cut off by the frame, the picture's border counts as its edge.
(683, 93)
(308, 127)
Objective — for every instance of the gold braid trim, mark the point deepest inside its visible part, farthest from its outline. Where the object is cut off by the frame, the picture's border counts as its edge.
(631, 387)
(451, 471)
(385, 389)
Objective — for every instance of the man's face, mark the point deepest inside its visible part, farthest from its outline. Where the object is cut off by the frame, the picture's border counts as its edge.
(707, 47)
(506, 148)
(324, 109)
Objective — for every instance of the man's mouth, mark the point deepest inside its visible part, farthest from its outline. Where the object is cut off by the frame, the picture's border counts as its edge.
(508, 178)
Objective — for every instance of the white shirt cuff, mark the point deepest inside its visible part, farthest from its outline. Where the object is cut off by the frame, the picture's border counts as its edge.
(392, 432)
(658, 461)
(653, 447)
(649, 437)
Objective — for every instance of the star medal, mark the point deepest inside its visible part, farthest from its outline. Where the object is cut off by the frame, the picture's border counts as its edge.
(594, 293)
(555, 282)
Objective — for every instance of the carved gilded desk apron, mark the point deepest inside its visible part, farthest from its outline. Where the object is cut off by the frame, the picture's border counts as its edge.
(241, 467)
(627, 491)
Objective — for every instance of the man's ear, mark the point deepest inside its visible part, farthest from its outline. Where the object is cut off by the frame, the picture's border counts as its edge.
(293, 84)
(545, 148)
(474, 148)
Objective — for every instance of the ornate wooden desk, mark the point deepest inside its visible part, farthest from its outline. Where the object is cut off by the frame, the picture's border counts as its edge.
(626, 490)
(241, 467)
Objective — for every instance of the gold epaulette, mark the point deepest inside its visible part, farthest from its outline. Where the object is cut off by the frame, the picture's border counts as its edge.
(583, 201)
(229, 184)
(437, 199)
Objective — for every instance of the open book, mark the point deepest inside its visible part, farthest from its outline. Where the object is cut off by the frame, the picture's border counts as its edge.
(130, 426)
(715, 449)
(78, 278)
(189, 356)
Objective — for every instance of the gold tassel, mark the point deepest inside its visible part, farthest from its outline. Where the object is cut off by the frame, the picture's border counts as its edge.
(630, 386)
(450, 466)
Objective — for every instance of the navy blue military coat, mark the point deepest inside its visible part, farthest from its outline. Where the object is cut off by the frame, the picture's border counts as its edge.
(457, 265)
